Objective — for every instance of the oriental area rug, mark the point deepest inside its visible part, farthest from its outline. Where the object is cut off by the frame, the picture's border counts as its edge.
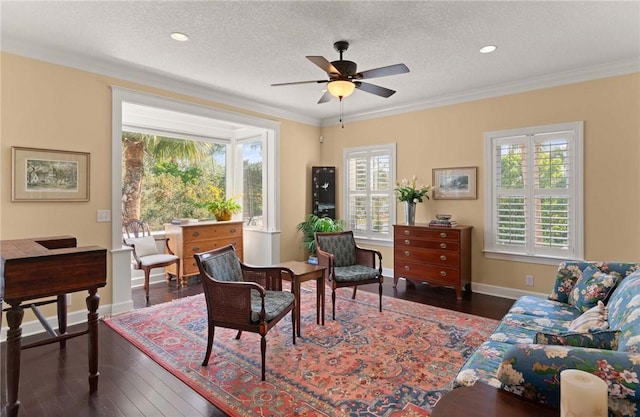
(365, 363)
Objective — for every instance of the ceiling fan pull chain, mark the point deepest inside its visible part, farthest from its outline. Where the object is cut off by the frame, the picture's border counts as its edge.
(341, 112)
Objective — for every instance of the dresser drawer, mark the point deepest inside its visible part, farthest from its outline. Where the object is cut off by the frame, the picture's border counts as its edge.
(192, 234)
(416, 243)
(426, 233)
(191, 248)
(429, 273)
(428, 256)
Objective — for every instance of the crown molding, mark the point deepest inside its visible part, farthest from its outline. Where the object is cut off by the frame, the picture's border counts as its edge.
(147, 76)
(153, 78)
(535, 83)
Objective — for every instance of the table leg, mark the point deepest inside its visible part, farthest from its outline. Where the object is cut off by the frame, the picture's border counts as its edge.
(318, 295)
(295, 282)
(13, 357)
(93, 300)
(62, 318)
(323, 285)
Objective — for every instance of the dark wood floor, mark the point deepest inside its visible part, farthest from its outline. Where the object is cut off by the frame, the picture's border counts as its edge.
(54, 382)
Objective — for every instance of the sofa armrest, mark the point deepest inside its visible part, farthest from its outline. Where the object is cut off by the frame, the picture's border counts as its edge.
(533, 371)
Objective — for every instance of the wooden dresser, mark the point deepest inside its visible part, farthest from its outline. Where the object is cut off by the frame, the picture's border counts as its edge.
(185, 240)
(436, 255)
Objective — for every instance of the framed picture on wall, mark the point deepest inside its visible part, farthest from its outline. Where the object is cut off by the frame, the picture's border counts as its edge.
(454, 183)
(49, 175)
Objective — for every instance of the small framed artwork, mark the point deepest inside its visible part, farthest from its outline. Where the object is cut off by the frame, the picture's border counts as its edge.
(454, 183)
(49, 175)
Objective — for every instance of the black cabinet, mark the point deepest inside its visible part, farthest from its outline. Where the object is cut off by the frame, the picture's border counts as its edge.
(323, 186)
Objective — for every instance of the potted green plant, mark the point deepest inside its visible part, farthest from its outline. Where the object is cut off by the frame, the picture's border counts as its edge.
(223, 208)
(314, 224)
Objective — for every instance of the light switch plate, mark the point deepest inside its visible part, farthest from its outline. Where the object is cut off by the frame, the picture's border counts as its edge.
(103, 216)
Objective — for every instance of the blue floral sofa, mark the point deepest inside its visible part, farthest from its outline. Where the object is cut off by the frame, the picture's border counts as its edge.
(591, 322)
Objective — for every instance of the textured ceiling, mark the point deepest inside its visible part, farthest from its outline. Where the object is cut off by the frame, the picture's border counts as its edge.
(238, 48)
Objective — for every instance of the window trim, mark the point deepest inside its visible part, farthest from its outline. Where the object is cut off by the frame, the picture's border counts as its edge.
(390, 149)
(576, 193)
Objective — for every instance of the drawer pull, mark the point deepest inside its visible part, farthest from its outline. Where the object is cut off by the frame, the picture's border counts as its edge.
(407, 232)
(195, 234)
(233, 230)
(407, 242)
(443, 246)
(443, 273)
(407, 253)
(443, 235)
(443, 258)
(407, 268)
(196, 248)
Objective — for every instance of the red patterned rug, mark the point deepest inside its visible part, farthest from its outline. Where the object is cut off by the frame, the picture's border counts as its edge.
(365, 363)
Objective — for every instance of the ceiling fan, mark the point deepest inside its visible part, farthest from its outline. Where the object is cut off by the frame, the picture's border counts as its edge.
(344, 78)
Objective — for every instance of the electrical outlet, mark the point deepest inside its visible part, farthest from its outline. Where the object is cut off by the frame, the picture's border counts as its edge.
(103, 216)
(529, 280)
(68, 300)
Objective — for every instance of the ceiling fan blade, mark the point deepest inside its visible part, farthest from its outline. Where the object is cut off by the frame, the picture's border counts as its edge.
(300, 82)
(374, 89)
(324, 64)
(325, 97)
(383, 71)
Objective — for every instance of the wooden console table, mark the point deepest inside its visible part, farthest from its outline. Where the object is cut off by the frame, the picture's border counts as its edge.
(45, 267)
(482, 400)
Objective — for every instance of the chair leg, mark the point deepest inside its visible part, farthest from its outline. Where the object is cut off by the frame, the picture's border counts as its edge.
(293, 323)
(239, 334)
(333, 302)
(263, 352)
(380, 293)
(353, 297)
(210, 333)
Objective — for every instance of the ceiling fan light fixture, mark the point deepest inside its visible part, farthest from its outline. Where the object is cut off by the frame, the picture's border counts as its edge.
(341, 88)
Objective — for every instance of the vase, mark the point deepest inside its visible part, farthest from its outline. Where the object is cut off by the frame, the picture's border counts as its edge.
(410, 213)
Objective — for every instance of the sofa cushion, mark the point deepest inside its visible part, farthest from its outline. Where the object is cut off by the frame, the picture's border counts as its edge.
(599, 339)
(542, 307)
(594, 318)
(594, 285)
(522, 328)
(624, 312)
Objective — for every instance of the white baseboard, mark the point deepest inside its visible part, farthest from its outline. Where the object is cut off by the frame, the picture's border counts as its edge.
(503, 292)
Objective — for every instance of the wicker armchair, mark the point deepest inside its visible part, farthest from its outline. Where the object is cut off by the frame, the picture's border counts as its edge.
(146, 256)
(347, 264)
(242, 297)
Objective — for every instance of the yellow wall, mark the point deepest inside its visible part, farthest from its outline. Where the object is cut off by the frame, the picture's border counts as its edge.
(50, 106)
(53, 107)
(452, 136)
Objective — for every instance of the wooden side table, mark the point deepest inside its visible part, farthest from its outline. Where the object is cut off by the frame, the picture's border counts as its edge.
(482, 400)
(303, 272)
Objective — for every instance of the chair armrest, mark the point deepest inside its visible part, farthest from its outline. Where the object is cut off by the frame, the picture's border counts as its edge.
(166, 243)
(368, 257)
(133, 252)
(327, 260)
(533, 371)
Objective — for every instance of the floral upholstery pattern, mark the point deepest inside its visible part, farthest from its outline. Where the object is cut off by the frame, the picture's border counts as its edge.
(599, 339)
(593, 286)
(534, 342)
(342, 247)
(533, 371)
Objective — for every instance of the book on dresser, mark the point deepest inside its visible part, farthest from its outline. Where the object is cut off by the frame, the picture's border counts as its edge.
(437, 255)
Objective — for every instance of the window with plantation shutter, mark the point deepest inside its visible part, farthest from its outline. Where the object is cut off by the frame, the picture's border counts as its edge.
(533, 180)
(369, 175)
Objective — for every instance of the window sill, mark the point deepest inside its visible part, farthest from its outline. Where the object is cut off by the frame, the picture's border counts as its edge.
(518, 257)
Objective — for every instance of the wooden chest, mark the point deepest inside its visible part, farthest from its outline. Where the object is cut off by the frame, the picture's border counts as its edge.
(185, 240)
(436, 255)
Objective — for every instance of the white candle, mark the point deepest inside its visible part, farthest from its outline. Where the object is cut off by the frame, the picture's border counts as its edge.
(582, 394)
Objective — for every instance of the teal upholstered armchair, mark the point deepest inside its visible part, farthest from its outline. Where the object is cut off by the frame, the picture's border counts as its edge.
(242, 297)
(348, 265)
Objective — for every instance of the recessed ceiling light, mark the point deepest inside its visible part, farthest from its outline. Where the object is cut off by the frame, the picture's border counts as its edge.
(488, 49)
(179, 36)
